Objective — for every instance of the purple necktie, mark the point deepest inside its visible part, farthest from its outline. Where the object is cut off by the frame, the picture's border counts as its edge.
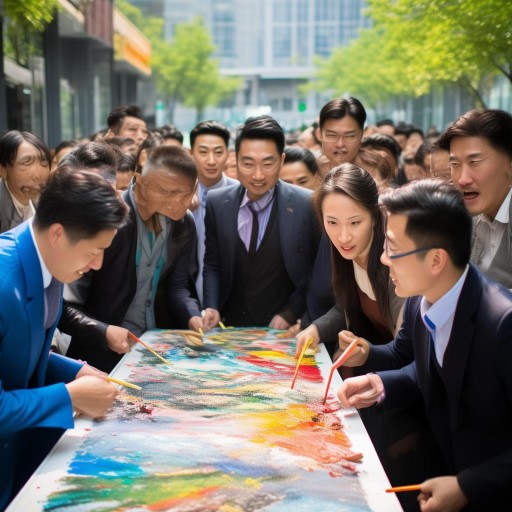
(52, 298)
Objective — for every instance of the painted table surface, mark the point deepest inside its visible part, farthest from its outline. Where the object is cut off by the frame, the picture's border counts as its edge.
(220, 430)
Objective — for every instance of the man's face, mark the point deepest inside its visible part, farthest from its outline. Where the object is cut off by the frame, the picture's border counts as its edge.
(408, 273)
(297, 173)
(134, 128)
(230, 167)
(341, 139)
(28, 173)
(481, 172)
(73, 259)
(440, 165)
(164, 192)
(210, 154)
(259, 164)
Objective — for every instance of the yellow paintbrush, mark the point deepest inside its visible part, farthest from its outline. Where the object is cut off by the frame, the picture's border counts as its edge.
(302, 352)
(156, 354)
(123, 383)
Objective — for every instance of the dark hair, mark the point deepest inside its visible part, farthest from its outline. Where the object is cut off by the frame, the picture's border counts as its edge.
(261, 128)
(492, 124)
(171, 133)
(210, 128)
(341, 107)
(116, 117)
(382, 141)
(120, 141)
(126, 163)
(298, 154)
(437, 217)
(171, 158)
(82, 201)
(425, 148)
(13, 139)
(356, 183)
(66, 144)
(99, 157)
(415, 129)
(366, 157)
(385, 122)
(153, 140)
(403, 129)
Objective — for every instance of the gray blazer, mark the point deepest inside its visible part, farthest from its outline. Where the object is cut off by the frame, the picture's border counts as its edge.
(9, 216)
(501, 266)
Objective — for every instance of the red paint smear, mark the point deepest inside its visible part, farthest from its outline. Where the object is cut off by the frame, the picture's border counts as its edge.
(311, 373)
(146, 409)
(167, 504)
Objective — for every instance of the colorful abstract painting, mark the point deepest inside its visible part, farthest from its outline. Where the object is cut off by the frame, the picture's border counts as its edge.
(219, 430)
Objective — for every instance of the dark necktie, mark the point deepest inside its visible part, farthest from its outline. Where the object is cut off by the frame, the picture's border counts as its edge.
(52, 298)
(254, 231)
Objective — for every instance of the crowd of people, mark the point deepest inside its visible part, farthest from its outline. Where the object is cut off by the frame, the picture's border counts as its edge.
(340, 232)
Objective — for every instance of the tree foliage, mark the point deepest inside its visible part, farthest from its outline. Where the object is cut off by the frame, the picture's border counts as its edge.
(184, 69)
(416, 44)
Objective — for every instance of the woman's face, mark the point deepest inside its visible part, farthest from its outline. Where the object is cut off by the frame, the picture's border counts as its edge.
(349, 226)
(27, 174)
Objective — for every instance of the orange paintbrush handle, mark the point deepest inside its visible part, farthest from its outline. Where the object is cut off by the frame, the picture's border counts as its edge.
(405, 488)
(137, 340)
(346, 354)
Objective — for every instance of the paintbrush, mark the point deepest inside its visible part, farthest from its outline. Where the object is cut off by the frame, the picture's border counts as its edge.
(302, 352)
(405, 488)
(344, 356)
(145, 345)
(123, 383)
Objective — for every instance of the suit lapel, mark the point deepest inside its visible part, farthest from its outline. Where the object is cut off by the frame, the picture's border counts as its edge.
(229, 221)
(460, 344)
(287, 217)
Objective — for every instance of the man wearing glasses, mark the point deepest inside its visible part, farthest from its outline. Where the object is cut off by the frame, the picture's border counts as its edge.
(457, 332)
(261, 237)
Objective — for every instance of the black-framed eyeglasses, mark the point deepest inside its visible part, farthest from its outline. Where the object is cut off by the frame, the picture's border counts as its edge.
(394, 256)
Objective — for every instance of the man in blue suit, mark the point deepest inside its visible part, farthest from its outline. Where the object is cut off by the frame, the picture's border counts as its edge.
(77, 217)
(457, 329)
(261, 237)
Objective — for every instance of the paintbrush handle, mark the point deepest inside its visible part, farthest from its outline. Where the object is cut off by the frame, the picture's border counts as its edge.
(145, 345)
(405, 488)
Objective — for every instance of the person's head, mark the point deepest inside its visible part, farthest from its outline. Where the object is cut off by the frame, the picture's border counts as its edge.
(415, 138)
(125, 171)
(152, 141)
(62, 150)
(98, 157)
(230, 168)
(24, 164)
(386, 127)
(171, 136)
(428, 237)
(480, 146)
(341, 126)
(308, 140)
(347, 205)
(209, 146)
(167, 183)
(76, 219)
(259, 147)
(127, 121)
(127, 145)
(402, 131)
(440, 163)
(386, 146)
(380, 168)
(299, 167)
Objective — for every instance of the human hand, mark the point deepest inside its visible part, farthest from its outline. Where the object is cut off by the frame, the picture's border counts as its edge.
(92, 396)
(195, 323)
(360, 354)
(309, 332)
(279, 323)
(361, 392)
(117, 339)
(87, 369)
(211, 318)
(292, 331)
(442, 494)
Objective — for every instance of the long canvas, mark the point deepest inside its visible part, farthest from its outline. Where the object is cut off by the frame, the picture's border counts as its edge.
(218, 430)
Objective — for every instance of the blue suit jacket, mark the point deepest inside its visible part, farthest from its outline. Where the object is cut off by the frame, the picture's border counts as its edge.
(32, 389)
(470, 414)
(298, 231)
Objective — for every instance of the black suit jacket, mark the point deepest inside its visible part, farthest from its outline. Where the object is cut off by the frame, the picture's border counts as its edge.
(110, 290)
(298, 231)
(471, 413)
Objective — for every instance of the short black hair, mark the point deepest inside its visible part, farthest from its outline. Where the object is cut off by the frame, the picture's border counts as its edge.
(299, 154)
(382, 141)
(99, 157)
(171, 132)
(116, 117)
(342, 107)
(173, 159)
(10, 142)
(436, 217)
(385, 122)
(261, 128)
(210, 128)
(492, 124)
(126, 163)
(82, 201)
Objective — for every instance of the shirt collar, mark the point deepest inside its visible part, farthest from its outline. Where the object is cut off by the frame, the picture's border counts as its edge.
(47, 277)
(436, 315)
(261, 203)
(503, 213)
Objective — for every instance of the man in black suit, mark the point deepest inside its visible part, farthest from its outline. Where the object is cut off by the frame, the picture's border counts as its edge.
(261, 237)
(146, 267)
(457, 329)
